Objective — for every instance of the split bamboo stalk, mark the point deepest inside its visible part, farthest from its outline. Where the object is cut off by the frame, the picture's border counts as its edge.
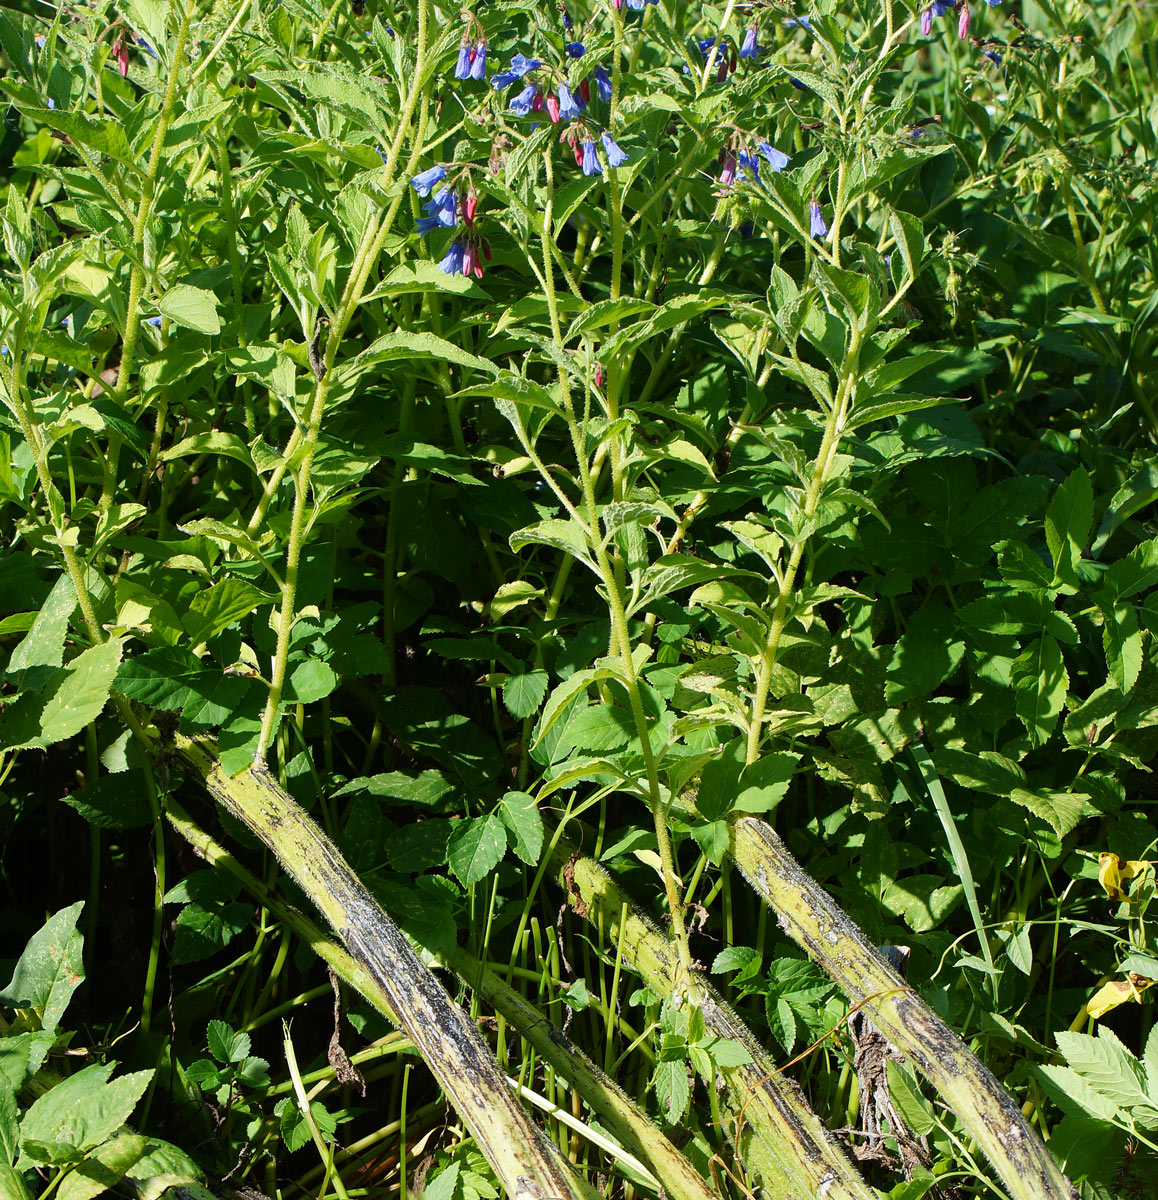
(813, 919)
(529, 1166)
(775, 1133)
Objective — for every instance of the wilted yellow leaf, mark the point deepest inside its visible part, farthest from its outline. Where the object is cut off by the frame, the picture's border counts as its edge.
(1109, 996)
(1113, 873)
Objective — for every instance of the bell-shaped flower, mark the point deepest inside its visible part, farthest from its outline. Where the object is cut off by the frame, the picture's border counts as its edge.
(525, 100)
(776, 159)
(748, 47)
(570, 105)
(452, 263)
(816, 226)
(478, 62)
(590, 161)
(602, 83)
(616, 156)
(425, 180)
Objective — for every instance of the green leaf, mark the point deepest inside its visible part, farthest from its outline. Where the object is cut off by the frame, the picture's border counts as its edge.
(733, 958)
(599, 727)
(1067, 522)
(522, 694)
(674, 571)
(764, 783)
(50, 968)
(192, 307)
(118, 801)
(226, 1044)
(1122, 643)
(84, 1110)
(911, 1106)
(476, 847)
(160, 678)
(216, 609)
(43, 644)
(714, 840)
(406, 347)
(1107, 1066)
(524, 823)
(726, 1053)
(310, 681)
(1040, 680)
(672, 1089)
(202, 929)
(506, 385)
(104, 1168)
(567, 536)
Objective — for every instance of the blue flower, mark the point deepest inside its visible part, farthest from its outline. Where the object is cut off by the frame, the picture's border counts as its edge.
(817, 228)
(576, 49)
(705, 44)
(51, 102)
(800, 87)
(749, 165)
(748, 48)
(452, 263)
(441, 209)
(803, 22)
(615, 155)
(478, 62)
(570, 106)
(776, 159)
(590, 162)
(525, 100)
(462, 67)
(4, 350)
(635, 4)
(425, 180)
(518, 68)
(602, 83)
(993, 56)
(154, 321)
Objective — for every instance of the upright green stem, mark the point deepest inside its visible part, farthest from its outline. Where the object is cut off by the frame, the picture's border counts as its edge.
(620, 635)
(833, 431)
(364, 259)
(137, 274)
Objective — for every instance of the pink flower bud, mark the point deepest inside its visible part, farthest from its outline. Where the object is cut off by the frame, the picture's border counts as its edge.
(553, 108)
(963, 18)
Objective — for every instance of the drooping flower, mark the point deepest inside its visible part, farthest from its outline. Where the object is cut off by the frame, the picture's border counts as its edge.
(728, 174)
(993, 56)
(749, 165)
(478, 61)
(602, 83)
(441, 209)
(963, 18)
(590, 162)
(518, 68)
(425, 180)
(803, 22)
(776, 159)
(937, 9)
(705, 44)
(616, 156)
(553, 109)
(816, 227)
(462, 67)
(469, 208)
(749, 48)
(576, 49)
(452, 263)
(570, 106)
(525, 100)
(470, 262)
(154, 321)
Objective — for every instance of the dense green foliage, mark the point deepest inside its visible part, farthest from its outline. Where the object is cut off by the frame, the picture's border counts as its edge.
(679, 507)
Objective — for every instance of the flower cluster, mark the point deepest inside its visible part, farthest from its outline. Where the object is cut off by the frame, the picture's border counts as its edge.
(472, 60)
(741, 162)
(938, 8)
(444, 208)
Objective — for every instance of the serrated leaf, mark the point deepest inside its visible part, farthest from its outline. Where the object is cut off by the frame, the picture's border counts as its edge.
(475, 848)
(104, 1168)
(43, 644)
(672, 1089)
(522, 694)
(1040, 680)
(524, 823)
(1068, 520)
(225, 1044)
(1106, 1065)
